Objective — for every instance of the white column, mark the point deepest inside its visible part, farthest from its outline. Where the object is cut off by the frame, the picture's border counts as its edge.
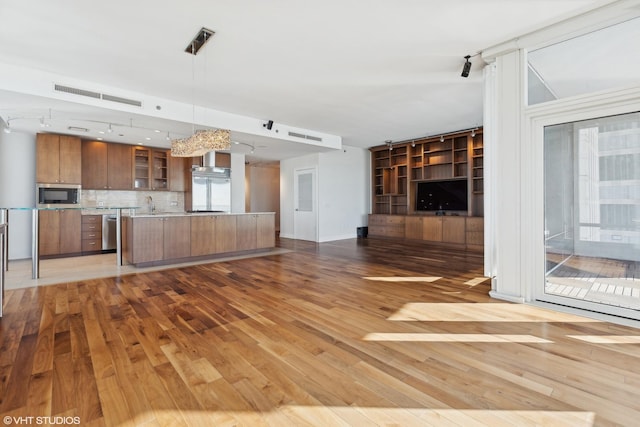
(505, 190)
(237, 183)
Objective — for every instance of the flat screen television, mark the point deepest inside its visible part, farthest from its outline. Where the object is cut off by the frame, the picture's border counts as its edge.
(448, 195)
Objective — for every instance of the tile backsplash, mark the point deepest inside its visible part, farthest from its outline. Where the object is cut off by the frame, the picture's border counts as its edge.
(164, 201)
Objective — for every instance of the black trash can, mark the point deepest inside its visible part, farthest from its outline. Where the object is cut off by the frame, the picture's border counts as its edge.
(362, 232)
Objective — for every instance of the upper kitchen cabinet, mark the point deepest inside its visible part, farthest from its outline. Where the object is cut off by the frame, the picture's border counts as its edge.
(179, 173)
(58, 159)
(106, 166)
(150, 169)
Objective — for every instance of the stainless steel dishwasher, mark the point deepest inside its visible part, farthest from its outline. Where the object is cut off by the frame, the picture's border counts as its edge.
(109, 232)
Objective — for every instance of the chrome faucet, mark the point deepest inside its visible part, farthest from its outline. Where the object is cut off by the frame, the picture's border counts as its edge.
(152, 207)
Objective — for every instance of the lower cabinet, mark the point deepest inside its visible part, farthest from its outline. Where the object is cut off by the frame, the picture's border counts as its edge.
(91, 233)
(454, 230)
(176, 231)
(59, 232)
(144, 240)
(149, 239)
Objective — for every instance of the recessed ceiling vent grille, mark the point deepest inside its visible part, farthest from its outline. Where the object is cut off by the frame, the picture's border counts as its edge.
(96, 95)
(121, 100)
(76, 91)
(303, 136)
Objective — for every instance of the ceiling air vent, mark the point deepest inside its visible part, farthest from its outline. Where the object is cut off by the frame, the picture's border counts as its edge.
(303, 136)
(121, 100)
(76, 91)
(96, 95)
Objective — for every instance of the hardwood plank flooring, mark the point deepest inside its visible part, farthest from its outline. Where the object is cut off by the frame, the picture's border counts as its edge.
(349, 333)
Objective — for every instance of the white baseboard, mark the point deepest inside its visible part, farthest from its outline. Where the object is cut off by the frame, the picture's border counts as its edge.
(505, 297)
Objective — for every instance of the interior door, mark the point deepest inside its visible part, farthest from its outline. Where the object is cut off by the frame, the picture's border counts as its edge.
(305, 217)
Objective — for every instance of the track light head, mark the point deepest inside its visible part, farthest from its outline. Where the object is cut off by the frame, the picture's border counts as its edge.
(473, 133)
(441, 138)
(466, 67)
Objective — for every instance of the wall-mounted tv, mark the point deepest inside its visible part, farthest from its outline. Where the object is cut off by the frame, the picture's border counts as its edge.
(448, 195)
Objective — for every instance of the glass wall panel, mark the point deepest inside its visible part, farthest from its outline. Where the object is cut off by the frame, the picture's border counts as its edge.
(603, 59)
(592, 210)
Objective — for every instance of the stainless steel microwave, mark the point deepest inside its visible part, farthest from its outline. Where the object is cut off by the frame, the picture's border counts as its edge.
(58, 195)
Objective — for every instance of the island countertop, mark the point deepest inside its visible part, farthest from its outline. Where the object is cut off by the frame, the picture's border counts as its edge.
(172, 214)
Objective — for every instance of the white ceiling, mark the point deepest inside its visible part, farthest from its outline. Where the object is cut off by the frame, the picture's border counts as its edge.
(366, 71)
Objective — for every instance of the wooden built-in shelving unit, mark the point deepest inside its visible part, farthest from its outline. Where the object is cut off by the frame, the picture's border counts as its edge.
(396, 170)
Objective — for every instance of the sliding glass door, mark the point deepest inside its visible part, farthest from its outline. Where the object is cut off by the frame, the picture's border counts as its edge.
(592, 214)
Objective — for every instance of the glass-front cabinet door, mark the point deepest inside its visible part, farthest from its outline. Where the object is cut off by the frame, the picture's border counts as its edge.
(592, 214)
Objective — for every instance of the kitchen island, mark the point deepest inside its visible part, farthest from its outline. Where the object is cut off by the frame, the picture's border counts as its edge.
(154, 239)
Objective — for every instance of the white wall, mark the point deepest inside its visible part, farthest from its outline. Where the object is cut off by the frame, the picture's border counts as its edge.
(17, 188)
(343, 192)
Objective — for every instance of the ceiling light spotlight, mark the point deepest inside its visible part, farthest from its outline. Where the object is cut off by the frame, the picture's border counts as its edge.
(466, 67)
(390, 144)
(109, 129)
(441, 138)
(7, 127)
(473, 133)
(42, 123)
(168, 138)
(413, 144)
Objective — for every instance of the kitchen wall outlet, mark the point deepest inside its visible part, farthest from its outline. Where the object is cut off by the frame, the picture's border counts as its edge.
(174, 203)
(100, 204)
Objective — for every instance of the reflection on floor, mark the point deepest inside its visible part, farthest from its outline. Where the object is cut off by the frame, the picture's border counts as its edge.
(73, 269)
(600, 280)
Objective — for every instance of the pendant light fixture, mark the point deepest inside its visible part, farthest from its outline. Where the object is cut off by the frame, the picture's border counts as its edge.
(201, 141)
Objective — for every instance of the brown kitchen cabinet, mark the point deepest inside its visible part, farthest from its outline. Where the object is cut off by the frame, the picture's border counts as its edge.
(178, 167)
(203, 235)
(246, 232)
(150, 169)
(106, 166)
(151, 239)
(144, 239)
(58, 159)
(226, 226)
(176, 233)
(255, 231)
(91, 233)
(59, 232)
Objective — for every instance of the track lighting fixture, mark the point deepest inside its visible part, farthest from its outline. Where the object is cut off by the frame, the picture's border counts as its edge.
(413, 144)
(473, 133)
(109, 129)
(390, 144)
(7, 128)
(466, 67)
(441, 138)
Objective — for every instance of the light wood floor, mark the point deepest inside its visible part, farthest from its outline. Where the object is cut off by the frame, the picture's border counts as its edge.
(350, 333)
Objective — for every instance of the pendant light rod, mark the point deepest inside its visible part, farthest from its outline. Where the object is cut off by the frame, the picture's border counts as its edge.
(199, 40)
